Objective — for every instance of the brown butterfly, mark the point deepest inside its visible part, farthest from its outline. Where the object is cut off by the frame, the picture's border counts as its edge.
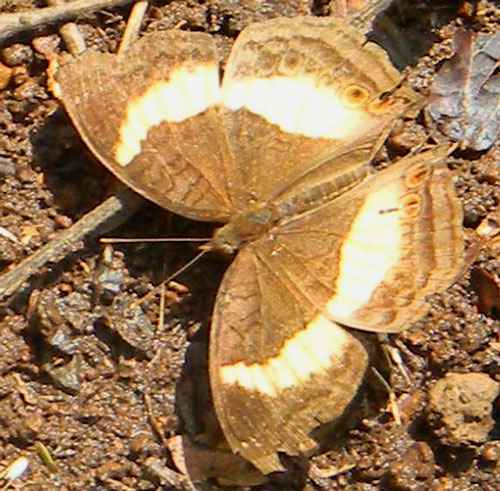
(280, 151)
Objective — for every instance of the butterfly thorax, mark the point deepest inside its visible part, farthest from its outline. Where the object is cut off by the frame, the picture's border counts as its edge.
(260, 218)
(248, 226)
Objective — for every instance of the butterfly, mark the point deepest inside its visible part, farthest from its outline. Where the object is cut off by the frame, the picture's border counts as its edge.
(279, 151)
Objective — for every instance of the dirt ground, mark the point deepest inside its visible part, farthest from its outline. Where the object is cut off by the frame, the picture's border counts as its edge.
(102, 387)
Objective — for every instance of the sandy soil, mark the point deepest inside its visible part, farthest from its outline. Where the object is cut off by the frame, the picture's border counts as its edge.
(103, 387)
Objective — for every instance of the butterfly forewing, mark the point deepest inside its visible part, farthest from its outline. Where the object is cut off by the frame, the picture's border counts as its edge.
(296, 93)
(150, 116)
(299, 92)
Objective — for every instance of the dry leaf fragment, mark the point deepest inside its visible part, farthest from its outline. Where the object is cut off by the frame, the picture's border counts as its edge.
(199, 463)
(487, 290)
(465, 95)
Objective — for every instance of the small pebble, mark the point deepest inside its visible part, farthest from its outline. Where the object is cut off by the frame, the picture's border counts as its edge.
(16, 469)
(491, 452)
(461, 407)
(5, 75)
(17, 54)
(19, 75)
(46, 45)
(63, 221)
(7, 167)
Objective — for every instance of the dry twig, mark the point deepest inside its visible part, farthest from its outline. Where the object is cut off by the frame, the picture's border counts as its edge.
(108, 215)
(18, 22)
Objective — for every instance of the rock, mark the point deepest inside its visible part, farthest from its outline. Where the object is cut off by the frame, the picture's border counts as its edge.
(460, 407)
(17, 54)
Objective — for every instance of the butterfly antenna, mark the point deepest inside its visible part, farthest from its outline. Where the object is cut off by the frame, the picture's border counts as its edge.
(120, 240)
(170, 278)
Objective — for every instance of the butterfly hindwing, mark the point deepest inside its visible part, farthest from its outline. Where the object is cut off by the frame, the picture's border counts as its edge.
(385, 245)
(277, 370)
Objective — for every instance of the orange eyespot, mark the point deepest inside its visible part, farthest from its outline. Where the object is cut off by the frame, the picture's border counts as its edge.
(417, 175)
(354, 95)
(379, 106)
(291, 62)
(411, 205)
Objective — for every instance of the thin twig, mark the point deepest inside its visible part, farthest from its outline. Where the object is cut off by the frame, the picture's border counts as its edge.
(108, 215)
(17, 22)
(392, 397)
(173, 479)
(133, 26)
(363, 20)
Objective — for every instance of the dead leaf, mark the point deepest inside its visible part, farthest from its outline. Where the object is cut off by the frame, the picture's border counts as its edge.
(199, 463)
(487, 290)
(465, 95)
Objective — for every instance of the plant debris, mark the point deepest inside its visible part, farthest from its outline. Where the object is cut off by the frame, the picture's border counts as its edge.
(465, 95)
